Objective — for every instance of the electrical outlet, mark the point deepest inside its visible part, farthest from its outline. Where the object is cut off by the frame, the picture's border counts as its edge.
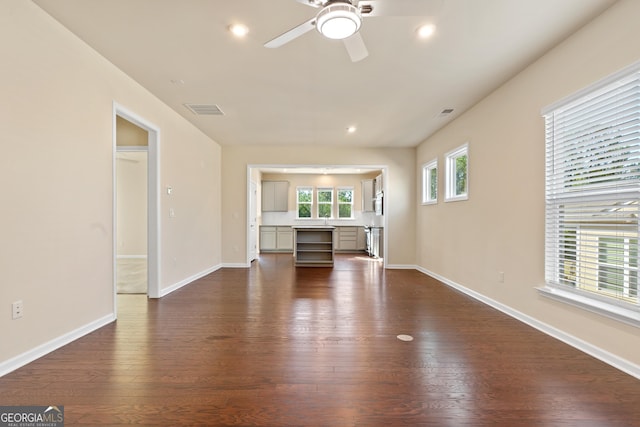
(501, 277)
(17, 309)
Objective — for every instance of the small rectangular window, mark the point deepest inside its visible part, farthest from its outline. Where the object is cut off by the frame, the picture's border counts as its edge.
(304, 202)
(430, 182)
(345, 202)
(325, 202)
(457, 178)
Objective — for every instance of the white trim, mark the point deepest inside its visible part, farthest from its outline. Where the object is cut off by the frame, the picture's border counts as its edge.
(426, 182)
(188, 280)
(611, 78)
(449, 173)
(592, 304)
(153, 201)
(56, 343)
(401, 267)
(239, 264)
(600, 354)
(131, 257)
(132, 148)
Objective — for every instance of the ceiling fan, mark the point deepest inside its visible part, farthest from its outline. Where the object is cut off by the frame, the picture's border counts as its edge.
(341, 20)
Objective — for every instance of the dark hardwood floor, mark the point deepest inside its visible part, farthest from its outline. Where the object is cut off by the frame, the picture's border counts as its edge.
(278, 346)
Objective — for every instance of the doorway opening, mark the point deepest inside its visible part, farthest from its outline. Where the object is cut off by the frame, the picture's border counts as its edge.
(131, 217)
(135, 200)
(358, 177)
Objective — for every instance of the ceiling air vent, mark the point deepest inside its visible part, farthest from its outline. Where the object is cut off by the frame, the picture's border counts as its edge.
(446, 112)
(205, 109)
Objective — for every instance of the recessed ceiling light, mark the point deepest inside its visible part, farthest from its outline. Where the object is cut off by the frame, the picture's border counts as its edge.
(239, 30)
(351, 129)
(426, 31)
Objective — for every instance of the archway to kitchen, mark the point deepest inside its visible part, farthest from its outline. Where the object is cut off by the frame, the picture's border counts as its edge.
(362, 178)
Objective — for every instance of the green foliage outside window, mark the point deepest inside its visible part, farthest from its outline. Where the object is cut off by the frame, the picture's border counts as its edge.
(345, 203)
(324, 196)
(461, 175)
(305, 197)
(433, 184)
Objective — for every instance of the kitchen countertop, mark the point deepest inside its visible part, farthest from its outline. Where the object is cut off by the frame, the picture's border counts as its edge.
(314, 227)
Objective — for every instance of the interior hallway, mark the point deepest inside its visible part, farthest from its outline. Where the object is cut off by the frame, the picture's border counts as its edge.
(275, 345)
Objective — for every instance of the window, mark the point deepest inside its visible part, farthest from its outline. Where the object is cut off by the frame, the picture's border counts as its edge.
(430, 182)
(304, 198)
(325, 202)
(592, 195)
(345, 202)
(618, 266)
(457, 185)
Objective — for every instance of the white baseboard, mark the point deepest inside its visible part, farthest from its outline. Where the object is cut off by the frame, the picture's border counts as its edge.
(176, 286)
(401, 267)
(46, 348)
(600, 354)
(236, 265)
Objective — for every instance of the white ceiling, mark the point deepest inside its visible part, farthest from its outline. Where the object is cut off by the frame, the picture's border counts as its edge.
(308, 91)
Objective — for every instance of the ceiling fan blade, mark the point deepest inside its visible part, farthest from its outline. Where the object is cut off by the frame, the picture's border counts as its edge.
(356, 47)
(293, 33)
(399, 7)
(312, 3)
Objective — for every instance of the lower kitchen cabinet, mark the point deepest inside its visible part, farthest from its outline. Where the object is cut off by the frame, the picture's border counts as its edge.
(284, 238)
(276, 239)
(350, 239)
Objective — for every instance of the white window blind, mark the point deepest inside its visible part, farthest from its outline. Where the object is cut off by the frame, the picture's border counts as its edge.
(592, 191)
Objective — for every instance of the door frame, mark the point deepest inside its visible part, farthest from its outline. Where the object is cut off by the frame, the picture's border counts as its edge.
(153, 200)
(253, 209)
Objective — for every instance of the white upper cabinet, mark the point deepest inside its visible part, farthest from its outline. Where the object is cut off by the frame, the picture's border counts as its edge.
(379, 185)
(368, 195)
(275, 196)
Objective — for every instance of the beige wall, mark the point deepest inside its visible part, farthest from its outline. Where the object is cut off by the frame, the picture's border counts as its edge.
(501, 226)
(400, 184)
(57, 173)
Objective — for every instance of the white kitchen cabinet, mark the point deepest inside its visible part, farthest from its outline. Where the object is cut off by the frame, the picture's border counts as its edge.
(276, 238)
(284, 238)
(346, 238)
(378, 185)
(275, 196)
(268, 239)
(368, 195)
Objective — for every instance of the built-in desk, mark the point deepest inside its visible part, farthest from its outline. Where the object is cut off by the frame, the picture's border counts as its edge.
(313, 246)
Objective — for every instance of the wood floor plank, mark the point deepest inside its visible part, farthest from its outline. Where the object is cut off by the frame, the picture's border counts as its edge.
(276, 345)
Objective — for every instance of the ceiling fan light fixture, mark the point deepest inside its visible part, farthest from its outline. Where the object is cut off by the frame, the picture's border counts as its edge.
(338, 21)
